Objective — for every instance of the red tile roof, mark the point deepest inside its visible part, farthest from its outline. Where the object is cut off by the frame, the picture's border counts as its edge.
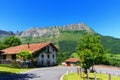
(72, 60)
(32, 48)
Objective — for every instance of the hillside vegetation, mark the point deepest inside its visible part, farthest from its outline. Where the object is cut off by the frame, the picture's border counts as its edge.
(67, 41)
(111, 43)
(65, 38)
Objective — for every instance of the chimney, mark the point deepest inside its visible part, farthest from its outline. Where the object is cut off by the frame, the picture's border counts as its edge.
(28, 45)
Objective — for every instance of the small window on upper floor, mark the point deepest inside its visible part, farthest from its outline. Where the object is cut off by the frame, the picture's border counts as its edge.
(42, 55)
(53, 55)
(53, 49)
(47, 49)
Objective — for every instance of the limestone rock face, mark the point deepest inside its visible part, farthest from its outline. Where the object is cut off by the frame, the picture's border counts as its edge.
(53, 31)
(35, 32)
(79, 26)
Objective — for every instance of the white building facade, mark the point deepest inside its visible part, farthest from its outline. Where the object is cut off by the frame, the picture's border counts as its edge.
(44, 54)
(47, 57)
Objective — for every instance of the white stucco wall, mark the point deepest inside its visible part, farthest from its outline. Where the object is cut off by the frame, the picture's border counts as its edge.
(45, 59)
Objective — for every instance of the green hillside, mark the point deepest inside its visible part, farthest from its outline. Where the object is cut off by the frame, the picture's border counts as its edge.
(113, 44)
(67, 41)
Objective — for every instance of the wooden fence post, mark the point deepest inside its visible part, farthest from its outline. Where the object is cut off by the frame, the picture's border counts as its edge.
(109, 77)
(95, 76)
(88, 74)
(78, 71)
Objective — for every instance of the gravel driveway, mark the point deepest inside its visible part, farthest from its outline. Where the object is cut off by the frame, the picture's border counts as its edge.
(47, 73)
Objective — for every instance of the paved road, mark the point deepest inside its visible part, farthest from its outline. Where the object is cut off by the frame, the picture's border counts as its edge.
(48, 73)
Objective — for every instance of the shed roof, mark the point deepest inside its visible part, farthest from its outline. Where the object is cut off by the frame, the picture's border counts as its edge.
(72, 60)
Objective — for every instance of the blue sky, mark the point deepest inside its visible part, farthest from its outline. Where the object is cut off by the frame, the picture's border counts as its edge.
(103, 16)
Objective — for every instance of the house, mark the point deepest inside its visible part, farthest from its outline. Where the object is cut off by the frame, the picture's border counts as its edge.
(71, 61)
(44, 54)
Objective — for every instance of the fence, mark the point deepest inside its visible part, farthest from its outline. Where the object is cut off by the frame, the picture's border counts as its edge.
(5, 61)
(14, 63)
(102, 71)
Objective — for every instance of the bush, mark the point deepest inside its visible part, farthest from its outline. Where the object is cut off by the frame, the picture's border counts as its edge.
(15, 64)
(114, 60)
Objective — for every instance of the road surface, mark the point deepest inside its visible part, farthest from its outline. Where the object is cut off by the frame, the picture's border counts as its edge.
(47, 73)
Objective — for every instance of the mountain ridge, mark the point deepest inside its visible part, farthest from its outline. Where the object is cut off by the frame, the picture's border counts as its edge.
(6, 33)
(66, 36)
(55, 30)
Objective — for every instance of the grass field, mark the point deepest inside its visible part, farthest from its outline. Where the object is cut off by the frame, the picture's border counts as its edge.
(6, 69)
(71, 76)
(74, 76)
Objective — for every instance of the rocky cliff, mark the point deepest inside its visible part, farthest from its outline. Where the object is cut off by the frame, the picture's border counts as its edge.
(35, 32)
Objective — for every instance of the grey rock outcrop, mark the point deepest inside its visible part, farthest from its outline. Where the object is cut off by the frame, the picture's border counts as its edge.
(53, 31)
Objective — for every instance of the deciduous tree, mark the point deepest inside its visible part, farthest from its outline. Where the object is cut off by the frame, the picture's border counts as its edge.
(90, 51)
(23, 55)
(11, 41)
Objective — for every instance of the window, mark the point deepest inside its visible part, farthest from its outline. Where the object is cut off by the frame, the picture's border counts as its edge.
(42, 55)
(48, 63)
(53, 50)
(13, 57)
(53, 55)
(48, 56)
(4, 57)
(47, 49)
(42, 63)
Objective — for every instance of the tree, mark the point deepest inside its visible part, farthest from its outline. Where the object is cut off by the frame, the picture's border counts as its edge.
(24, 55)
(11, 41)
(90, 51)
(2, 46)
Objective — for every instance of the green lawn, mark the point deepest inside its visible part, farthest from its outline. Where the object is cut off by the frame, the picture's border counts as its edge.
(74, 76)
(71, 76)
(6, 69)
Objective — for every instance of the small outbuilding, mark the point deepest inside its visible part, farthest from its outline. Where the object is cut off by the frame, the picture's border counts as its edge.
(72, 61)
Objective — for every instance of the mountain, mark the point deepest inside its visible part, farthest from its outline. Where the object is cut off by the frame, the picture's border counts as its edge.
(50, 31)
(64, 37)
(6, 33)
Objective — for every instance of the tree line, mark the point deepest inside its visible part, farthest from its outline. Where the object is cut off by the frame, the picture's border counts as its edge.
(9, 42)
